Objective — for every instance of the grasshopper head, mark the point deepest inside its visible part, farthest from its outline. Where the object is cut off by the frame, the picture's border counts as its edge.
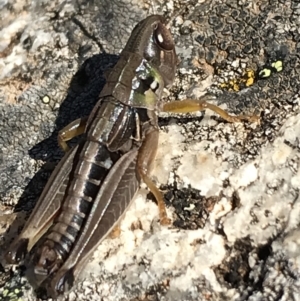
(153, 40)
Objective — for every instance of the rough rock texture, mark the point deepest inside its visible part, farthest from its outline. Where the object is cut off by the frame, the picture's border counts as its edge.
(232, 189)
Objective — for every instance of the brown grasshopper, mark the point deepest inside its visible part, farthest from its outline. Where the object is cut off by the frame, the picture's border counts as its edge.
(94, 183)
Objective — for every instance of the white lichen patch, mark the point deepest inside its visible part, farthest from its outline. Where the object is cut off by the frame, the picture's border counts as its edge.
(267, 203)
(8, 33)
(15, 54)
(170, 147)
(281, 152)
(202, 169)
(152, 253)
(223, 207)
(22, 37)
(244, 176)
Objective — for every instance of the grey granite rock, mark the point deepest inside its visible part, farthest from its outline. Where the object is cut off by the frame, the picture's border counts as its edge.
(232, 190)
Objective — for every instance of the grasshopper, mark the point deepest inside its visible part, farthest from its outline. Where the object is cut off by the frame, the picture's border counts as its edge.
(94, 183)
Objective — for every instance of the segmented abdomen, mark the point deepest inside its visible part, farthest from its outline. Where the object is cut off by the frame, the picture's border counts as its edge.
(87, 178)
(93, 162)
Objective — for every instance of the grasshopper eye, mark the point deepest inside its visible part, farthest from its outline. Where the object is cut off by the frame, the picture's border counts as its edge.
(163, 37)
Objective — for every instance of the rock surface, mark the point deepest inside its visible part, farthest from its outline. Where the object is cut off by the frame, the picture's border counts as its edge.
(232, 190)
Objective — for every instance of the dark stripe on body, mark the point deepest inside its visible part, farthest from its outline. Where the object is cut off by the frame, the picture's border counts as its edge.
(92, 162)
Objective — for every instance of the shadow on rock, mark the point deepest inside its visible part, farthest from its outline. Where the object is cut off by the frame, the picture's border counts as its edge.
(82, 95)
